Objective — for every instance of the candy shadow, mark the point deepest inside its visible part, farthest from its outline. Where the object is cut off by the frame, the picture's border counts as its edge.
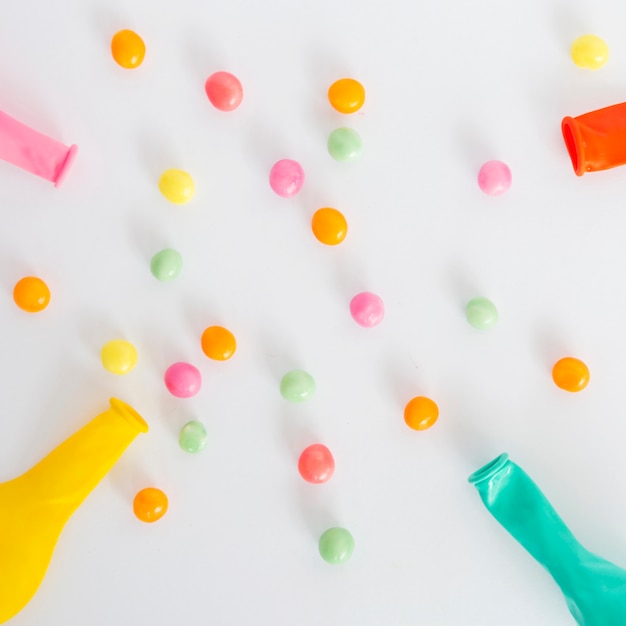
(548, 345)
(566, 27)
(473, 147)
(315, 512)
(156, 155)
(295, 430)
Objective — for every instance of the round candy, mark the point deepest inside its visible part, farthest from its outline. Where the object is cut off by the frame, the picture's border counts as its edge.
(345, 144)
(420, 413)
(150, 504)
(570, 374)
(336, 545)
(481, 313)
(286, 178)
(166, 264)
(367, 309)
(31, 294)
(329, 226)
(590, 51)
(297, 386)
(128, 49)
(193, 437)
(346, 95)
(118, 356)
(316, 464)
(177, 186)
(224, 91)
(494, 178)
(183, 380)
(218, 343)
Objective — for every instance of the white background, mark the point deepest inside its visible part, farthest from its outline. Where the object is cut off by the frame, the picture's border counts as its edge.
(449, 86)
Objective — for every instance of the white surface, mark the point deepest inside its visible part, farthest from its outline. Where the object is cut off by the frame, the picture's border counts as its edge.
(449, 86)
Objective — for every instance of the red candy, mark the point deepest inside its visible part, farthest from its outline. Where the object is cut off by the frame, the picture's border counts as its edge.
(224, 91)
(316, 464)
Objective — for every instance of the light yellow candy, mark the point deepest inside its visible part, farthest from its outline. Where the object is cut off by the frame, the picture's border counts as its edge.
(177, 186)
(118, 356)
(590, 51)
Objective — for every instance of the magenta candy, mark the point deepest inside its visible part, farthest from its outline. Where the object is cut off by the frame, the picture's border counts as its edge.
(494, 178)
(183, 380)
(367, 309)
(316, 464)
(224, 91)
(286, 178)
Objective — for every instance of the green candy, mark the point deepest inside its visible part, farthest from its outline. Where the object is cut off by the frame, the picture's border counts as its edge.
(345, 144)
(336, 545)
(481, 313)
(297, 386)
(166, 264)
(193, 437)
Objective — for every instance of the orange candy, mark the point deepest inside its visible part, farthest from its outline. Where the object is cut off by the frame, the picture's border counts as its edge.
(128, 49)
(150, 504)
(421, 413)
(329, 226)
(570, 374)
(218, 343)
(346, 95)
(31, 294)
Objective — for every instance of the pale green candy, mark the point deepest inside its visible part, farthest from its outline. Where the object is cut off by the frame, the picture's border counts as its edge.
(481, 313)
(166, 264)
(345, 144)
(193, 437)
(297, 386)
(336, 545)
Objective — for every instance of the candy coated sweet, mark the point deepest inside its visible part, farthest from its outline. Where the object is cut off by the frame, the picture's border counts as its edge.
(481, 313)
(218, 343)
(316, 464)
(193, 437)
(345, 144)
(31, 294)
(297, 386)
(589, 51)
(570, 374)
(183, 380)
(329, 226)
(150, 504)
(494, 178)
(166, 264)
(118, 356)
(224, 91)
(367, 309)
(128, 49)
(286, 178)
(420, 413)
(346, 95)
(336, 545)
(177, 186)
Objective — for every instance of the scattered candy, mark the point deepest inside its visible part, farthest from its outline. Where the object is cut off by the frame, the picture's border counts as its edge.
(329, 226)
(193, 437)
(336, 545)
(345, 144)
(286, 178)
(224, 91)
(481, 313)
(367, 309)
(421, 413)
(494, 178)
(31, 294)
(128, 49)
(589, 51)
(346, 95)
(166, 264)
(150, 504)
(297, 386)
(177, 186)
(218, 343)
(316, 464)
(183, 380)
(570, 374)
(118, 356)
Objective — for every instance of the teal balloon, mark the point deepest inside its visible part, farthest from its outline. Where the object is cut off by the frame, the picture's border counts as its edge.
(594, 589)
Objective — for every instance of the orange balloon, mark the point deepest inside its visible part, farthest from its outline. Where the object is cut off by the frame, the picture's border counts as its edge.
(421, 413)
(570, 374)
(31, 294)
(329, 226)
(218, 343)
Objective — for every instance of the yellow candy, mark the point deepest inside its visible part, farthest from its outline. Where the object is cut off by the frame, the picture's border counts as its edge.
(128, 49)
(118, 356)
(590, 51)
(177, 186)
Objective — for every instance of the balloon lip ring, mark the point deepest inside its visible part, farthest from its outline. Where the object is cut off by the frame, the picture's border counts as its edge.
(67, 164)
(574, 143)
(489, 470)
(129, 414)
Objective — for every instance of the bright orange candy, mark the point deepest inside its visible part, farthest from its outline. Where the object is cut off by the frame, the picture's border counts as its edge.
(218, 343)
(421, 413)
(128, 49)
(31, 294)
(346, 95)
(570, 374)
(329, 226)
(150, 504)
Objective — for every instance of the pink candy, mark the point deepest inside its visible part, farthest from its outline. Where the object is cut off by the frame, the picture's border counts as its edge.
(367, 309)
(183, 380)
(286, 178)
(494, 178)
(224, 91)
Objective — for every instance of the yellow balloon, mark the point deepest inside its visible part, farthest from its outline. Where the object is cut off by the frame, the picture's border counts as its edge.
(590, 51)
